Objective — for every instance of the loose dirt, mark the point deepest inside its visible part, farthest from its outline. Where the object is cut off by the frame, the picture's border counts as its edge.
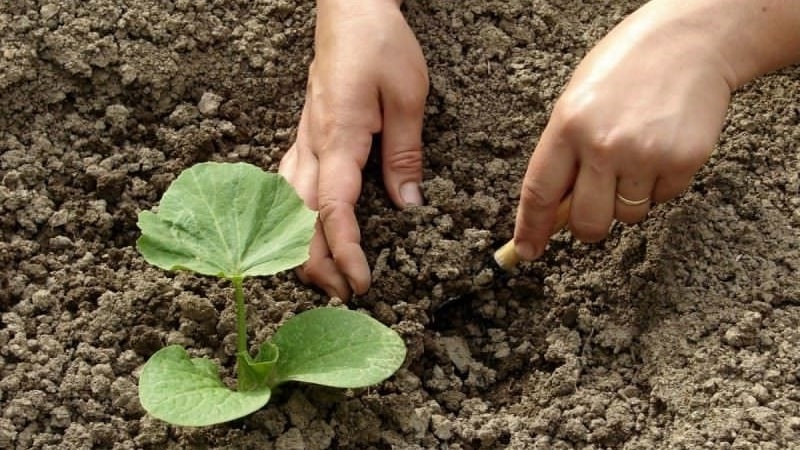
(680, 332)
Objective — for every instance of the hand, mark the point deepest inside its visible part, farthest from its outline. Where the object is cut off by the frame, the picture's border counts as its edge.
(368, 76)
(642, 112)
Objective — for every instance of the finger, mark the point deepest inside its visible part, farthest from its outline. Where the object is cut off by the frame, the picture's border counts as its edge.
(667, 188)
(321, 270)
(401, 145)
(593, 201)
(550, 173)
(339, 188)
(632, 199)
(684, 167)
(401, 149)
(301, 168)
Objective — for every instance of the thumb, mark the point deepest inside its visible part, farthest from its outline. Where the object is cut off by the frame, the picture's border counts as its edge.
(401, 146)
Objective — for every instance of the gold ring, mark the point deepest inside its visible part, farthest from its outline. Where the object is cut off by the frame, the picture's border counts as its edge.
(632, 202)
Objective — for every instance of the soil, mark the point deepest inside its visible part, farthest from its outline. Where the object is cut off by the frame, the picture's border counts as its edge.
(681, 332)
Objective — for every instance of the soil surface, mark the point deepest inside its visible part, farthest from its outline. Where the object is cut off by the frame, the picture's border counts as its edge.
(680, 332)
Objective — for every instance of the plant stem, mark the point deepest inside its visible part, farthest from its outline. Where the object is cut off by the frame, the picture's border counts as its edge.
(241, 316)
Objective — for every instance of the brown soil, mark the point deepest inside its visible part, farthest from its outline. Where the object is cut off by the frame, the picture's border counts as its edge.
(681, 332)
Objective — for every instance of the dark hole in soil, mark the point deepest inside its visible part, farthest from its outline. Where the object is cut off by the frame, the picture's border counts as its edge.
(453, 314)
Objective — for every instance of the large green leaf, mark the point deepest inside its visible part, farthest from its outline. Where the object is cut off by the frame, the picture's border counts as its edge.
(227, 220)
(337, 347)
(188, 391)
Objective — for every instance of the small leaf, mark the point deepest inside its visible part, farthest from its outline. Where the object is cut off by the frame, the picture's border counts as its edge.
(338, 348)
(188, 391)
(256, 372)
(227, 220)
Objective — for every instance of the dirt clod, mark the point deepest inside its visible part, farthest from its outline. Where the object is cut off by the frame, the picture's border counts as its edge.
(679, 332)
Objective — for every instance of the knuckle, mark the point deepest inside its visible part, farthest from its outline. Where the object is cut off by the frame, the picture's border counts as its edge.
(409, 98)
(327, 122)
(604, 142)
(404, 159)
(571, 120)
(533, 195)
(328, 207)
(573, 112)
(332, 212)
(410, 103)
(600, 162)
(420, 76)
(605, 145)
(338, 136)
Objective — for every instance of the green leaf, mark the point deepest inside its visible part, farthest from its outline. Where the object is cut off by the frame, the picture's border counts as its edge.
(338, 348)
(188, 391)
(256, 372)
(227, 220)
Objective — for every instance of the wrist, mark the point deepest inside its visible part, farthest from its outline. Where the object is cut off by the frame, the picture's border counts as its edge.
(743, 39)
(340, 11)
(353, 4)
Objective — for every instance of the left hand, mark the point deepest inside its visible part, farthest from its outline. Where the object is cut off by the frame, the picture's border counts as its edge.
(368, 76)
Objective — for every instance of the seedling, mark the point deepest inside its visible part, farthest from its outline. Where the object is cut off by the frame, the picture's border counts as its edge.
(235, 221)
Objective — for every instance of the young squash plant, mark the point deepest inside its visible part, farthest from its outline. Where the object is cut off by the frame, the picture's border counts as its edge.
(233, 221)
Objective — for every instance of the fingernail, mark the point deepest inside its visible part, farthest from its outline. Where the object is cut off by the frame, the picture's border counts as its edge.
(526, 251)
(411, 194)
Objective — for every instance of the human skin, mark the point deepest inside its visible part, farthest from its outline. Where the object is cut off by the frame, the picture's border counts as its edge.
(640, 115)
(644, 110)
(368, 76)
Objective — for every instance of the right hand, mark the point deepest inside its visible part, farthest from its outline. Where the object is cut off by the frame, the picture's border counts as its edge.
(368, 76)
(640, 115)
(644, 110)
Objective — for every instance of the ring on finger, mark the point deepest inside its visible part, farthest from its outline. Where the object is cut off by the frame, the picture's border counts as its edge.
(630, 202)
